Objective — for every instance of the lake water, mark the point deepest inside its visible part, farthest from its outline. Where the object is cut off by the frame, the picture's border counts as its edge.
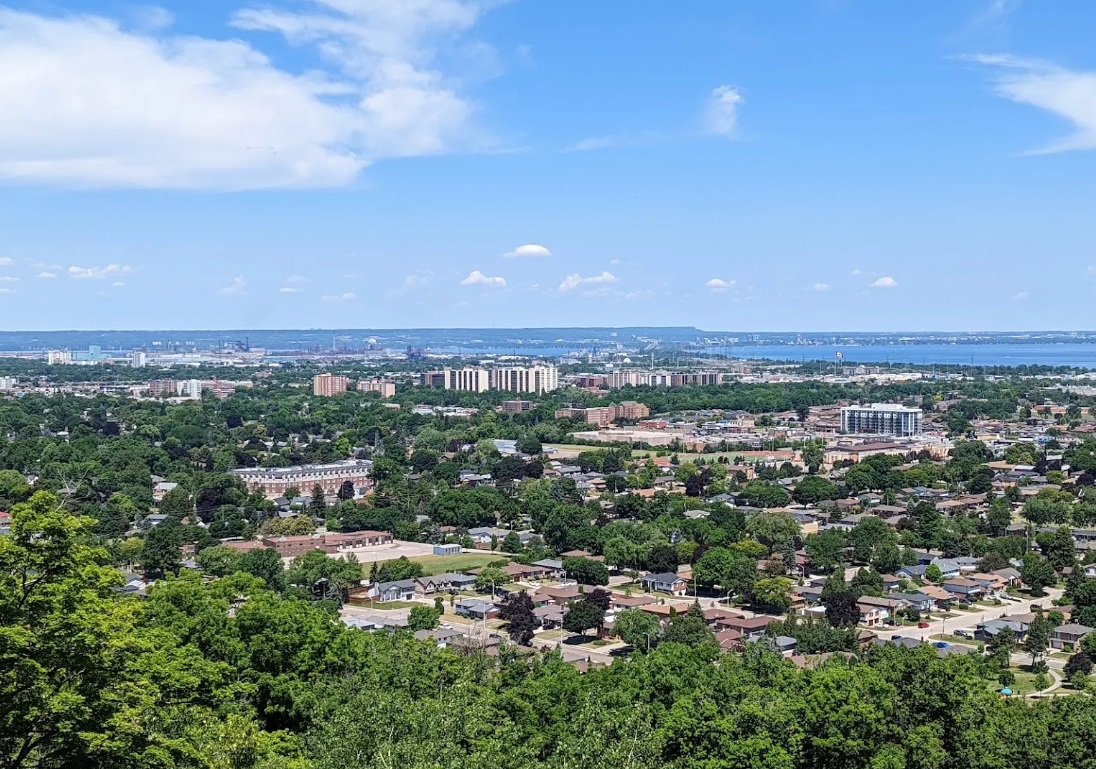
(1076, 355)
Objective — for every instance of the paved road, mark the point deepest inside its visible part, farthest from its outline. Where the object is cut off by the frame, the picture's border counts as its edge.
(971, 619)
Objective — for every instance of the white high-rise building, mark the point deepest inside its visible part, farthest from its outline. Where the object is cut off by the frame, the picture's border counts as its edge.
(881, 419)
(58, 357)
(138, 359)
(7, 382)
(525, 379)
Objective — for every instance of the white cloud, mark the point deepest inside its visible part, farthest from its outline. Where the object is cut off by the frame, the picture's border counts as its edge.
(719, 284)
(721, 113)
(179, 111)
(1021, 296)
(574, 280)
(235, 288)
(1066, 93)
(417, 279)
(296, 280)
(98, 273)
(118, 284)
(154, 18)
(821, 287)
(344, 297)
(6, 261)
(855, 271)
(8, 279)
(7, 290)
(477, 278)
(885, 282)
(530, 251)
(47, 275)
(289, 290)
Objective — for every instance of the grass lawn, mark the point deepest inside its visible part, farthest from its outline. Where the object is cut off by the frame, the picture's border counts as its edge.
(445, 564)
(1023, 685)
(597, 642)
(391, 605)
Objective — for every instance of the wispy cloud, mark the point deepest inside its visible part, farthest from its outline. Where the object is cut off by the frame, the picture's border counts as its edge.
(528, 251)
(719, 285)
(1021, 296)
(347, 296)
(721, 112)
(289, 290)
(885, 282)
(235, 288)
(820, 287)
(98, 273)
(477, 278)
(6, 261)
(574, 280)
(417, 279)
(47, 275)
(1069, 94)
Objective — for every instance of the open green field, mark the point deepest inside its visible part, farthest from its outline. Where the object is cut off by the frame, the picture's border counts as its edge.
(445, 564)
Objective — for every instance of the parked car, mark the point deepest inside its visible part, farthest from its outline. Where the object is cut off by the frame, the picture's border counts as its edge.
(922, 625)
(962, 634)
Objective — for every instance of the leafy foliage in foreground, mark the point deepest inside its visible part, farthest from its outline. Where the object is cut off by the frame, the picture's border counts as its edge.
(231, 674)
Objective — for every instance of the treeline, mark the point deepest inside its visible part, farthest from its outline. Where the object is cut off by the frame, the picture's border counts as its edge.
(233, 674)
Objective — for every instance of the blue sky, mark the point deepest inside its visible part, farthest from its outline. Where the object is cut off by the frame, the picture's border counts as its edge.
(825, 165)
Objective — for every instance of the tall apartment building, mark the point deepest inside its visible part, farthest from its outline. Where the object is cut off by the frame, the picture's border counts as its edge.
(525, 379)
(618, 379)
(7, 382)
(327, 384)
(517, 379)
(386, 388)
(273, 481)
(58, 357)
(516, 407)
(138, 359)
(881, 419)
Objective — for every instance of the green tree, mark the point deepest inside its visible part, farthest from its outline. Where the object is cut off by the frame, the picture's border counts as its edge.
(1038, 638)
(582, 616)
(773, 592)
(491, 578)
(266, 564)
(318, 505)
(825, 549)
(422, 618)
(219, 561)
(517, 612)
(638, 629)
(814, 489)
(398, 569)
(161, 553)
(586, 571)
(933, 574)
(731, 570)
(1037, 573)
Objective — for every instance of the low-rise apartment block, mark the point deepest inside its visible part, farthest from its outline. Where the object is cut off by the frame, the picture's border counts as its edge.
(386, 388)
(273, 482)
(606, 415)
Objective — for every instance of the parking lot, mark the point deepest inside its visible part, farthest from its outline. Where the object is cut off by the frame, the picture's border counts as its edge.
(397, 549)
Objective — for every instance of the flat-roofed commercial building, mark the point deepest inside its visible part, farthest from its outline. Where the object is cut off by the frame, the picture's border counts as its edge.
(881, 419)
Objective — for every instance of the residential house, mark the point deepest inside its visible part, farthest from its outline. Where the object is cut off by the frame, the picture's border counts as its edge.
(965, 589)
(473, 608)
(401, 590)
(986, 631)
(918, 601)
(552, 566)
(667, 582)
(1011, 576)
(443, 583)
(751, 628)
(1066, 637)
(729, 640)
